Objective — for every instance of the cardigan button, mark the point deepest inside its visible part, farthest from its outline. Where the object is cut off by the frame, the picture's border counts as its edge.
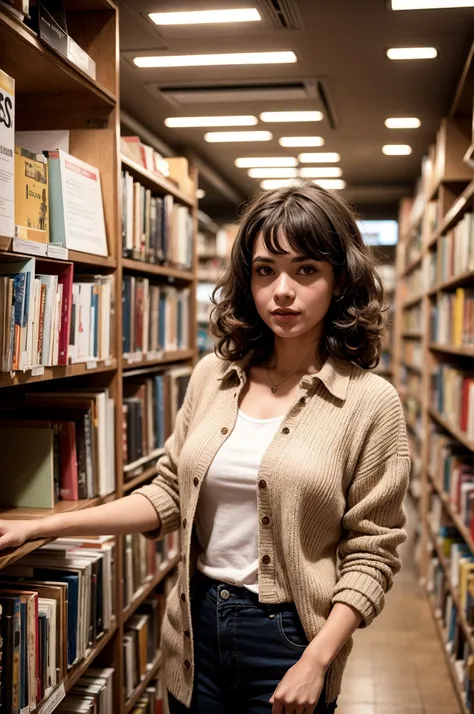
(224, 430)
(262, 483)
(183, 597)
(303, 401)
(184, 522)
(285, 430)
(266, 559)
(196, 481)
(187, 634)
(187, 664)
(265, 520)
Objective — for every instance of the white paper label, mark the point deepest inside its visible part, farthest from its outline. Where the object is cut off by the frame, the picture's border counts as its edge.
(56, 697)
(57, 251)
(37, 371)
(91, 364)
(137, 357)
(108, 361)
(30, 247)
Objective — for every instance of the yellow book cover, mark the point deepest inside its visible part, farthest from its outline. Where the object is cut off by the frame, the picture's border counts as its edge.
(458, 317)
(466, 568)
(31, 197)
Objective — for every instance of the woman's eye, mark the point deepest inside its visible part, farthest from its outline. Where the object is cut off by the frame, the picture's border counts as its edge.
(264, 270)
(307, 270)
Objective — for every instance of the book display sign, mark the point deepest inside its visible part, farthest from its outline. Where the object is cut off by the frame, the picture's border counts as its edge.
(7, 155)
(77, 212)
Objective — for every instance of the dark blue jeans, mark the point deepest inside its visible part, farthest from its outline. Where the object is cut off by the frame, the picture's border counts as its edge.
(243, 649)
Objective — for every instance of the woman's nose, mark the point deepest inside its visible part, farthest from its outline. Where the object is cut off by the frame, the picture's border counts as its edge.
(284, 287)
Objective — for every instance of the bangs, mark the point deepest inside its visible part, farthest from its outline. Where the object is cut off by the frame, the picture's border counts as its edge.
(306, 230)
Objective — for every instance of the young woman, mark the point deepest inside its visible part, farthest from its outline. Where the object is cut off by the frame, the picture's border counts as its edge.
(287, 455)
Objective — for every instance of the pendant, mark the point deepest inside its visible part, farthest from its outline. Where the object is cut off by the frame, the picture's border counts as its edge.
(274, 389)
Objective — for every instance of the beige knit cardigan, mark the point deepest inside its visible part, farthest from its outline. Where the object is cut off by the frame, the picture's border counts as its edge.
(332, 483)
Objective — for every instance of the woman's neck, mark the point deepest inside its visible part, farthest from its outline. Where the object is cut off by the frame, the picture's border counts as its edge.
(298, 353)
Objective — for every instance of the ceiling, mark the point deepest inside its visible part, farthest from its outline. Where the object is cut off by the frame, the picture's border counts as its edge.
(342, 71)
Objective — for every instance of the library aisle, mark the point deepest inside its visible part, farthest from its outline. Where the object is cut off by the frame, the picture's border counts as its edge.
(397, 665)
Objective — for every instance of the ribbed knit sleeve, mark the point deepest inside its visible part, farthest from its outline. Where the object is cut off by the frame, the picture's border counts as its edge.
(374, 519)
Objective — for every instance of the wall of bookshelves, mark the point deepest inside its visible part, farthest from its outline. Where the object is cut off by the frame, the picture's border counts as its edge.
(129, 378)
(434, 350)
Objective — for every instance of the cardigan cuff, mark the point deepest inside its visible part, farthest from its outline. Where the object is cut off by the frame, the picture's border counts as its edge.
(165, 507)
(361, 592)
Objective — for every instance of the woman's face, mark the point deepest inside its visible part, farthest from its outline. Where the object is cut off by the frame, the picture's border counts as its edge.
(292, 293)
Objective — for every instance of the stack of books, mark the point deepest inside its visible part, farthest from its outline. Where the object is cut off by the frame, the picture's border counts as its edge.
(453, 397)
(92, 693)
(93, 307)
(452, 318)
(143, 559)
(153, 700)
(456, 252)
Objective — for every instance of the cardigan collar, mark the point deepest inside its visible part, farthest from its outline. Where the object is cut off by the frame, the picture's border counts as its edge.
(334, 374)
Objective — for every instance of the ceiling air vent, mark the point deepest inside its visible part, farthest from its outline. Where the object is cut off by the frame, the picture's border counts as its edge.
(230, 93)
(283, 14)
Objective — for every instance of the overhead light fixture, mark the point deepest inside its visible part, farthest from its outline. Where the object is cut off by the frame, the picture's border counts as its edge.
(222, 136)
(301, 141)
(268, 184)
(430, 4)
(290, 116)
(412, 53)
(330, 157)
(204, 17)
(263, 173)
(402, 123)
(183, 122)
(321, 172)
(215, 59)
(251, 162)
(331, 184)
(396, 149)
(200, 193)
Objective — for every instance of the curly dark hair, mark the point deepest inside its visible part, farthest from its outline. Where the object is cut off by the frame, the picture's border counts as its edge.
(322, 226)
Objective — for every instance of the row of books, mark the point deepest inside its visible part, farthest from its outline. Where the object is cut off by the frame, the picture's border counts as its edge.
(452, 318)
(143, 559)
(413, 319)
(456, 249)
(153, 700)
(144, 155)
(453, 397)
(415, 284)
(150, 406)
(92, 693)
(155, 229)
(49, 316)
(155, 318)
(55, 605)
(413, 353)
(71, 448)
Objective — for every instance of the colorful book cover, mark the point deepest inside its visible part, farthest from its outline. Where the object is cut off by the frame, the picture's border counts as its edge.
(31, 197)
(7, 155)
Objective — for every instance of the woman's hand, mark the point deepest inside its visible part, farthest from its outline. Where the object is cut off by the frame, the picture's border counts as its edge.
(14, 533)
(300, 689)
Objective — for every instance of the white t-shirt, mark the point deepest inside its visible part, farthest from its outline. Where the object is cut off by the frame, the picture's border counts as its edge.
(226, 516)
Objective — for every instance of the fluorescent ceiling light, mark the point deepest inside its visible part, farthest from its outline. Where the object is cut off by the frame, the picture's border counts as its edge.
(396, 149)
(249, 162)
(321, 172)
(181, 122)
(290, 116)
(272, 173)
(430, 4)
(202, 17)
(214, 60)
(301, 141)
(268, 184)
(336, 184)
(409, 53)
(221, 136)
(402, 123)
(330, 157)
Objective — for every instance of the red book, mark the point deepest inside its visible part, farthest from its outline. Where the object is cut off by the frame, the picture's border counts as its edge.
(467, 381)
(68, 478)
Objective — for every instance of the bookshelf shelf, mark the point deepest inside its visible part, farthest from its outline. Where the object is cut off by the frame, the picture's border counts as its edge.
(412, 302)
(454, 214)
(148, 587)
(455, 282)
(131, 467)
(453, 430)
(412, 367)
(152, 670)
(412, 335)
(454, 515)
(155, 183)
(39, 69)
(413, 265)
(167, 357)
(140, 266)
(466, 351)
(140, 479)
(71, 370)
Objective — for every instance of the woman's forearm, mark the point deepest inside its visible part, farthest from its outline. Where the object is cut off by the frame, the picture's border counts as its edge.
(342, 622)
(132, 514)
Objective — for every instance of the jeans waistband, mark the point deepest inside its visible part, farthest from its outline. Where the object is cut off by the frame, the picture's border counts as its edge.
(232, 595)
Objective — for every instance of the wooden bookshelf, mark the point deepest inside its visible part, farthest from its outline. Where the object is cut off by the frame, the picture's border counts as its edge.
(466, 351)
(452, 429)
(52, 92)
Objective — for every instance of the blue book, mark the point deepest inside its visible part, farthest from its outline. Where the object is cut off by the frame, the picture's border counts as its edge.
(95, 308)
(72, 581)
(162, 321)
(159, 411)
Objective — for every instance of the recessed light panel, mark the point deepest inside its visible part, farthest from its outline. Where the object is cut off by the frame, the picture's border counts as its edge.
(183, 122)
(215, 60)
(301, 141)
(330, 157)
(412, 53)
(290, 116)
(396, 149)
(331, 184)
(321, 172)
(402, 123)
(223, 136)
(248, 162)
(430, 4)
(204, 17)
(263, 173)
(269, 184)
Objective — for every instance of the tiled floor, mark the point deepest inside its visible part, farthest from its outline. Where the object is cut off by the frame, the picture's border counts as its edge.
(397, 665)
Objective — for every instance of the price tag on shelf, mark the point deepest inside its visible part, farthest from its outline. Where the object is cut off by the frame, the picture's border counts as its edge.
(108, 361)
(136, 357)
(30, 247)
(91, 364)
(57, 251)
(53, 700)
(37, 371)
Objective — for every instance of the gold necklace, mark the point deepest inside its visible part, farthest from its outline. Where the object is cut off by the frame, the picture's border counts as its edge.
(274, 386)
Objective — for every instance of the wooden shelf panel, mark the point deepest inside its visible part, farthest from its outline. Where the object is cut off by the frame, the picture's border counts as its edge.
(466, 351)
(412, 335)
(412, 302)
(412, 367)
(454, 282)
(74, 256)
(156, 183)
(148, 587)
(38, 69)
(453, 430)
(71, 370)
(132, 368)
(140, 266)
(152, 670)
(413, 265)
(454, 515)
(142, 478)
(454, 214)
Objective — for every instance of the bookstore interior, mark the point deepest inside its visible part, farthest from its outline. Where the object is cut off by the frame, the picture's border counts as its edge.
(131, 135)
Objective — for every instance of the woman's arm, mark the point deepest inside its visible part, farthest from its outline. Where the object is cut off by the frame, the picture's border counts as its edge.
(132, 514)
